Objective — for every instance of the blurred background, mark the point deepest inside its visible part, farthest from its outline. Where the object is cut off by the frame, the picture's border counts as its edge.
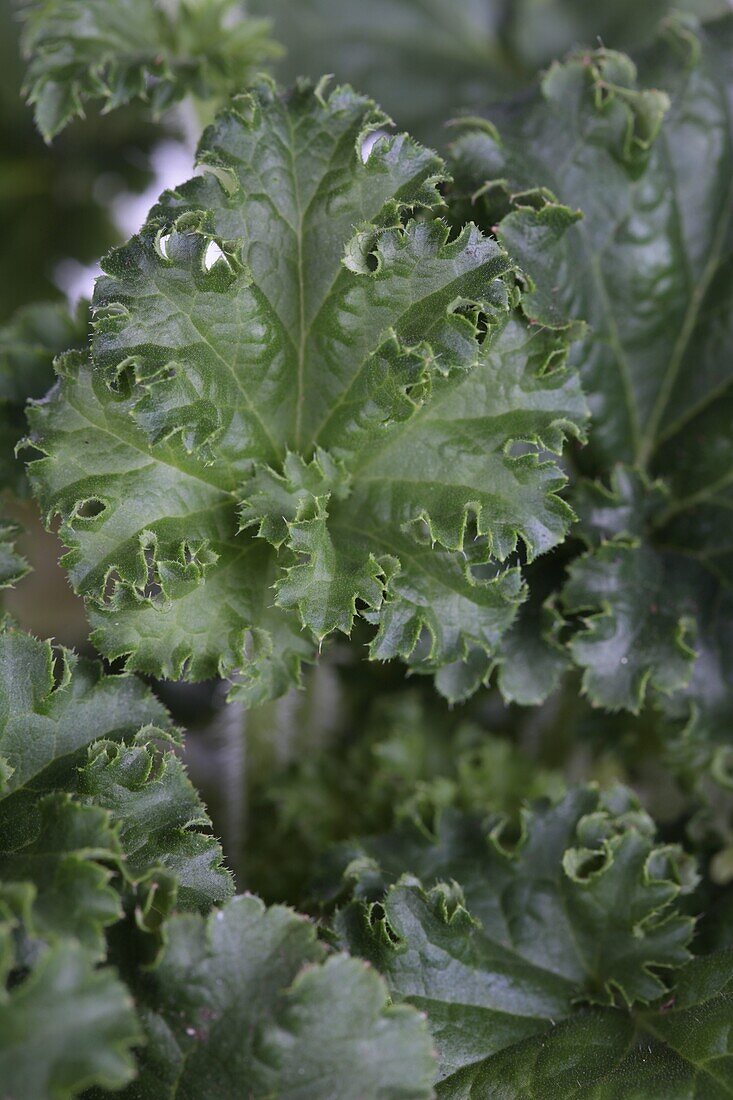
(360, 744)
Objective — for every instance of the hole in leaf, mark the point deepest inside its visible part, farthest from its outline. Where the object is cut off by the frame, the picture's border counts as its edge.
(111, 582)
(89, 508)
(369, 142)
(58, 669)
(212, 254)
(152, 587)
(378, 916)
(509, 835)
(162, 244)
(122, 382)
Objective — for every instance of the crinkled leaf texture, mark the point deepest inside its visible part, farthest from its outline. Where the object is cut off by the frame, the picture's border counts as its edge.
(248, 1004)
(301, 407)
(87, 789)
(64, 1026)
(81, 50)
(649, 266)
(500, 939)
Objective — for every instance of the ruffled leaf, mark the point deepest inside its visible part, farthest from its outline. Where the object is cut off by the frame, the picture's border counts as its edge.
(364, 390)
(498, 940)
(585, 892)
(649, 267)
(84, 791)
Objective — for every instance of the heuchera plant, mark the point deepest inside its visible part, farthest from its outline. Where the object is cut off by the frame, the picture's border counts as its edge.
(342, 413)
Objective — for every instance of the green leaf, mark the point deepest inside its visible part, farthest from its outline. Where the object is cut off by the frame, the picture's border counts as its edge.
(637, 636)
(582, 908)
(585, 893)
(63, 1027)
(76, 801)
(533, 656)
(80, 50)
(161, 820)
(426, 60)
(13, 566)
(29, 342)
(397, 756)
(649, 267)
(678, 1047)
(248, 1003)
(283, 341)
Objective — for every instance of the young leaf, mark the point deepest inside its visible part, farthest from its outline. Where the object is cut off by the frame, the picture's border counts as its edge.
(581, 909)
(80, 50)
(300, 409)
(247, 1003)
(649, 267)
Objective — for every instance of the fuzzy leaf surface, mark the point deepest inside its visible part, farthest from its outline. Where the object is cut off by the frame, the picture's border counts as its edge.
(303, 405)
(247, 1003)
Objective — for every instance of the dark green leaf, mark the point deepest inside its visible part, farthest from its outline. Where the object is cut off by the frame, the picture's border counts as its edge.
(248, 1004)
(29, 342)
(427, 60)
(649, 267)
(64, 1027)
(515, 935)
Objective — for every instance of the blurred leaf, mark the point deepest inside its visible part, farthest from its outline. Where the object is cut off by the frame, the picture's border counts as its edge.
(64, 1026)
(79, 50)
(427, 60)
